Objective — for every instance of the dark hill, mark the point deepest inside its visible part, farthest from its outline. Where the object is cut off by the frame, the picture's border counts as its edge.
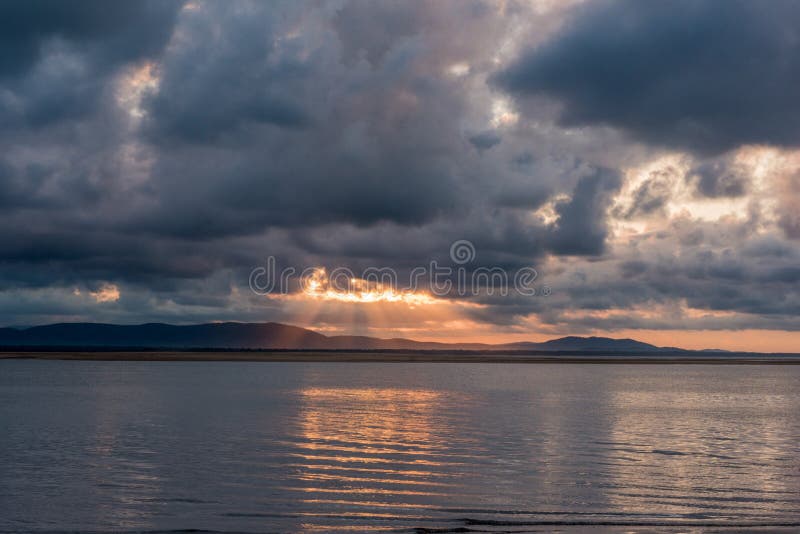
(270, 336)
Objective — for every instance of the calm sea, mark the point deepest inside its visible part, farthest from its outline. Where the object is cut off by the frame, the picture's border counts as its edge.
(288, 447)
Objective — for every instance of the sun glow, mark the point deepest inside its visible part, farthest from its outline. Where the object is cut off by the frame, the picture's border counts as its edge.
(132, 86)
(105, 293)
(320, 287)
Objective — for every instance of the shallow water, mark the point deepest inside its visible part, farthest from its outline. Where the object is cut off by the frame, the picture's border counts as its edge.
(357, 446)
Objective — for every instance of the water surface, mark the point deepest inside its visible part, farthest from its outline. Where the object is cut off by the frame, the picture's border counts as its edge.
(287, 447)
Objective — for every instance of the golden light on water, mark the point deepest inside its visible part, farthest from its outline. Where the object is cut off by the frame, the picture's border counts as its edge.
(370, 448)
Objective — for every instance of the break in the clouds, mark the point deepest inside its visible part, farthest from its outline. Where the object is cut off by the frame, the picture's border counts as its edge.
(642, 157)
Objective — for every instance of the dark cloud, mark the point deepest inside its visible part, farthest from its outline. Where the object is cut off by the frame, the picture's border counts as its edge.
(369, 29)
(256, 128)
(17, 188)
(251, 128)
(790, 223)
(716, 179)
(334, 134)
(125, 33)
(747, 279)
(703, 76)
(485, 140)
(581, 225)
(242, 72)
(524, 196)
(789, 205)
(632, 268)
(55, 56)
(650, 196)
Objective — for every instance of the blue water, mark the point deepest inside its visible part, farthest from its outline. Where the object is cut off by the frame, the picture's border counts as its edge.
(288, 447)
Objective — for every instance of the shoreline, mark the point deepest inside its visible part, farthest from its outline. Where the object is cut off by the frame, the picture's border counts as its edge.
(399, 357)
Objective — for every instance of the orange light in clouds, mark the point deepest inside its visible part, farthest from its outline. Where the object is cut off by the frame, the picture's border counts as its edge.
(317, 286)
(366, 307)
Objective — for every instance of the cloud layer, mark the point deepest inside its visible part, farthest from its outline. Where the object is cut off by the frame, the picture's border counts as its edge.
(700, 76)
(640, 156)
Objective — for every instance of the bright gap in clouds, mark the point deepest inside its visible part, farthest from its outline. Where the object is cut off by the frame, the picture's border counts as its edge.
(319, 287)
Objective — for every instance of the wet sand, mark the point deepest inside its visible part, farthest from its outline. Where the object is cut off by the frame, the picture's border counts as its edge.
(407, 356)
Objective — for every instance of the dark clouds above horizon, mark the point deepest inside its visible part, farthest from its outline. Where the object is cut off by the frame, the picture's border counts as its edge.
(642, 156)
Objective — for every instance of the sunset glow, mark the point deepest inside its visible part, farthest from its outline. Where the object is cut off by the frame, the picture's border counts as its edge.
(147, 177)
(399, 266)
(317, 286)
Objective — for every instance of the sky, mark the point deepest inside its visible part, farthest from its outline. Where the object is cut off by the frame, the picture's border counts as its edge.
(642, 158)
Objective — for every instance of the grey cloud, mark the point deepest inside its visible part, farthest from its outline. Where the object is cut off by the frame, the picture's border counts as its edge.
(20, 188)
(789, 205)
(370, 29)
(790, 223)
(240, 72)
(650, 196)
(581, 226)
(524, 196)
(296, 130)
(703, 76)
(55, 56)
(719, 179)
(750, 274)
(219, 166)
(352, 145)
(485, 140)
(127, 32)
(632, 268)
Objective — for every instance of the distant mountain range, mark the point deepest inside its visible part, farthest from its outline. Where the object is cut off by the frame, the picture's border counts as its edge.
(272, 336)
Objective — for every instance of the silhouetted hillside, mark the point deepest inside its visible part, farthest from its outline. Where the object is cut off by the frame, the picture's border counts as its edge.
(272, 336)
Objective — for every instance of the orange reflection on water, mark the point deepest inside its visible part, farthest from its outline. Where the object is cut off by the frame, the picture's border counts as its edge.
(368, 460)
(364, 417)
(369, 504)
(365, 490)
(385, 443)
(346, 528)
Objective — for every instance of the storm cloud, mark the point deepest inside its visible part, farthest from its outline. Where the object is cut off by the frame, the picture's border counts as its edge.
(703, 76)
(636, 154)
